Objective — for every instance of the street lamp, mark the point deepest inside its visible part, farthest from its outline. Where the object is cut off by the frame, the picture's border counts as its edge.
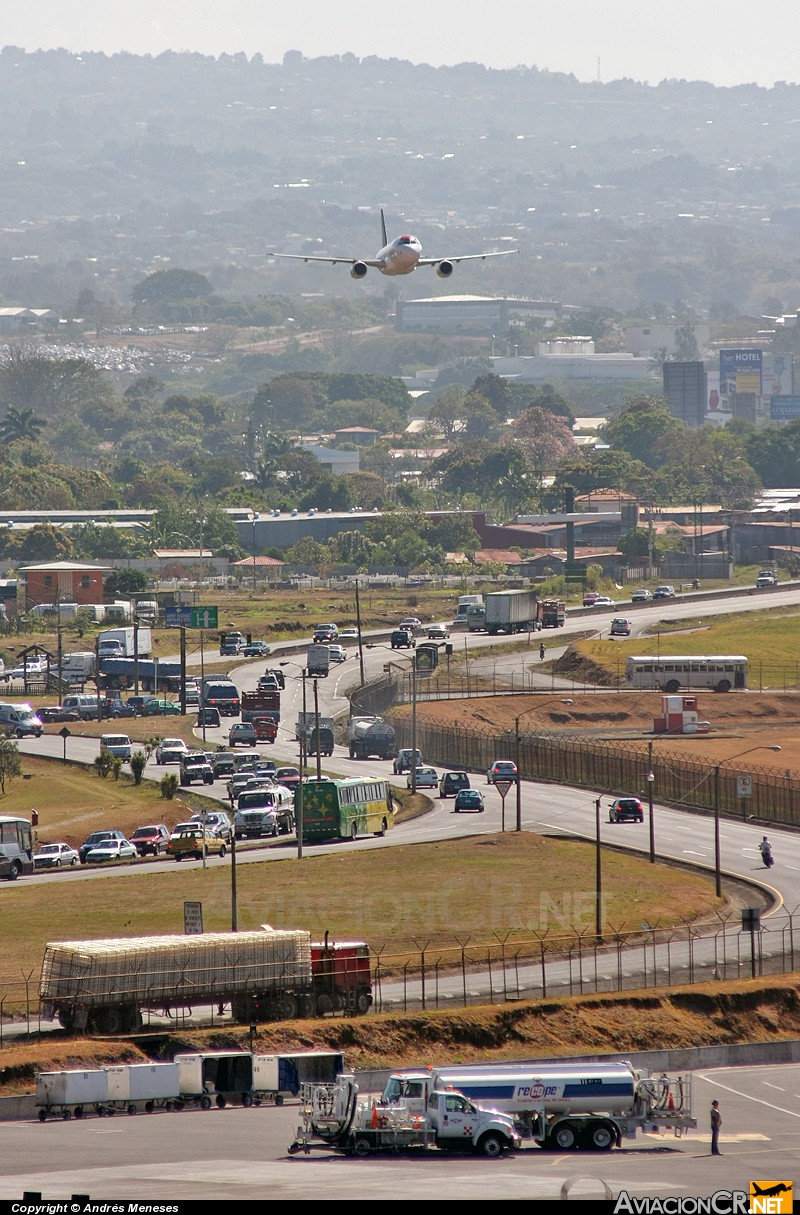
(717, 767)
(298, 797)
(254, 517)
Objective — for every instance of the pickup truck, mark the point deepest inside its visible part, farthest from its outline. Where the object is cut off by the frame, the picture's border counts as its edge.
(766, 578)
(196, 766)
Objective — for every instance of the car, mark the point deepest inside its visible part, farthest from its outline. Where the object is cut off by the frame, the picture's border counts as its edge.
(452, 783)
(118, 746)
(423, 777)
(268, 683)
(237, 783)
(152, 838)
(349, 635)
(288, 777)
(624, 809)
(405, 760)
(603, 601)
(403, 639)
(188, 839)
(153, 706)
(223, 763)
(412, 623)
(266, 729)
(502, 769)
(217, 821)
(641, 595)
(192, 697)
(664, 592)
(324, 633)
(266, 767)
(95, 839)
(765, 578)
(242, 732)
(438, 632)
(115, 706)
(57, 713)
(111, 850)
(278, 674)
(56, 856)
(209, 717)
(469, 799)
(620, 627)
(590, 598)
(170, 750)
(195, 765)
(256, 649)
(336, 653)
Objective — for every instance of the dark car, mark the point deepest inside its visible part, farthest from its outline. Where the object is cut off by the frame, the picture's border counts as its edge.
(95, 839)
(403, 639)
(115, 706)
(152, 839)
(195, 765)
(664, 592)
(452, 783)
(256, 649)
(57, 713)
(208, 717)
(469, 799)
(626, 809)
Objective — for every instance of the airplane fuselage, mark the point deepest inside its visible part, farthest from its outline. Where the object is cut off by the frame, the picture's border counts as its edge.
(400, 256)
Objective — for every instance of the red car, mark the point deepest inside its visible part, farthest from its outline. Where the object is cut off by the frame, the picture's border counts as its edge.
(502, 769)
(288, 777)
(590, 598)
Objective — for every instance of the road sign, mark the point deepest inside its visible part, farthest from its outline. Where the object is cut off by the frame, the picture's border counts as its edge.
(503, 786)
(177, 616)
(192, 917)
(204, 618)
(744, 785)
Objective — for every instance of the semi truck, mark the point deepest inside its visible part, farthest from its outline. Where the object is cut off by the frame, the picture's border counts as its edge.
(125, 642)
(79, 666)
(316, 732)
(261, 704)
(510, 612)
(103, 985)
(561, 1106)
(334, 1118)
(551, 614)
(318, 660)
(368, 736)
(153, 674)
(465, 602)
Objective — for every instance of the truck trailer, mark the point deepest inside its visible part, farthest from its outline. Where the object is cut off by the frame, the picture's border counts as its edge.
(125, 642)
(103, 985)
(368, 736)
(510, 612)
(551, 614)
(152, 675)
(261, 704)
(561, 1106)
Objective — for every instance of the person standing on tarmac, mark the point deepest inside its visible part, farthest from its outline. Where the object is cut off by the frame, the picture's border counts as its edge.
(716, 1123)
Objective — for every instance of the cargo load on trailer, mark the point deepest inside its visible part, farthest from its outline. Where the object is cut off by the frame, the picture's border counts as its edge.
(125, 642)
(152, 676)
(564, 1105)
(551, 614)
(510, 612)
(103, 985)
(261, 704)
(368, 736)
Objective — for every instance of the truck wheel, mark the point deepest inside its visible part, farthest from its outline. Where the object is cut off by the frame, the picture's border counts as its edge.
(324, 1004)
(563, 1137)
(14, 871)
(363, 1001)
(247, 1100)
(600, 1136)
(221, 1101)
(306, 1006)
(362, 1146)
(205, 1103)
(383, 828)
(42, 1115)
(288, 1006)
(131, 1108)
(491, 1145)
(66, 1115)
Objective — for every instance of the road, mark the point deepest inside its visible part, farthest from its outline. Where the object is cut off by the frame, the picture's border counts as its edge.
(241, 1155)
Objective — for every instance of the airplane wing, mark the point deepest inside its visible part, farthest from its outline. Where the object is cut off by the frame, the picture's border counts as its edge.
(465, 257)
(333, 261)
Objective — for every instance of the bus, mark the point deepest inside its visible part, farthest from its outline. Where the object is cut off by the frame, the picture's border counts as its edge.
(16, 847)
(674, 672)
(345, 809)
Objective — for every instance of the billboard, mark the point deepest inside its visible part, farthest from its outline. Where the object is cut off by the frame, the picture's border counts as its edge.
(740, 371)
(784, 409)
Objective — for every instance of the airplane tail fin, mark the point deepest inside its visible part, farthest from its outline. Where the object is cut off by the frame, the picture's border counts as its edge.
(383, 230)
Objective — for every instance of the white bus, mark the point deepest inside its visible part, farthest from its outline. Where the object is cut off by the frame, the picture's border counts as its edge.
(16, 847)
(722, 672)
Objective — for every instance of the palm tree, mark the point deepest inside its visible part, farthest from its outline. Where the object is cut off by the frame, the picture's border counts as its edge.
(20, 424)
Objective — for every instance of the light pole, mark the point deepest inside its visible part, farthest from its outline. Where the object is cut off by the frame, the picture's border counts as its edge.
(298, 797)
(254, 517)
(717, 767)
(372, 645)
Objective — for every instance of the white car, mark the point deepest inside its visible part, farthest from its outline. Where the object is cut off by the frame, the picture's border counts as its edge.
(55, 856)
(426, 778)
(411, 623)
(170, 750)
(112, 850)
(349, 635)
(336, 653)
(603, 601)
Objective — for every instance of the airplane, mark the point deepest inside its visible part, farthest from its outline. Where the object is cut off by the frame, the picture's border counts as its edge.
(779, 1188)
(399, 256)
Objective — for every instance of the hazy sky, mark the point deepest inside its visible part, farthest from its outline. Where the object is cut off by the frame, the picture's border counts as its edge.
(724, 41)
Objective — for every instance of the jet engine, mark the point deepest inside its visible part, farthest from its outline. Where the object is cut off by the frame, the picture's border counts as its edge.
(358, 270)
(445, 269)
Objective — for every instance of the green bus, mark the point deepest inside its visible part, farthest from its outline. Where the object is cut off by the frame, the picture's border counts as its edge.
(345, 809)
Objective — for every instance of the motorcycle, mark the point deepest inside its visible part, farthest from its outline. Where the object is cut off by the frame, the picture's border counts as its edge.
(766, 856)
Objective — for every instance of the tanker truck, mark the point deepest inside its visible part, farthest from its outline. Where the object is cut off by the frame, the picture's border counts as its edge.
(103, 985)
(561, 1106)
(371, 736)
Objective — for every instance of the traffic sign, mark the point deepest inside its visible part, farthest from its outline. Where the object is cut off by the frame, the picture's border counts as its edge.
(192, 917)
(744, 785)
(177, 616)
(204, 618)
(503, 786)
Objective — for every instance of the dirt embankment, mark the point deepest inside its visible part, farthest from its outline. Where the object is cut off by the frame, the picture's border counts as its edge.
(703, 1015)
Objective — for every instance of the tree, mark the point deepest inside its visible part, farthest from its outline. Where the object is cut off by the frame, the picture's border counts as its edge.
(496, 391)
(125, 582)
(168, 286)
(10, 765)
(43, 542)
(20, 424)
(644, 428)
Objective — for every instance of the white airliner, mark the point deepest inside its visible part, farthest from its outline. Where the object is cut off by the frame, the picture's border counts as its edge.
(399, 256)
